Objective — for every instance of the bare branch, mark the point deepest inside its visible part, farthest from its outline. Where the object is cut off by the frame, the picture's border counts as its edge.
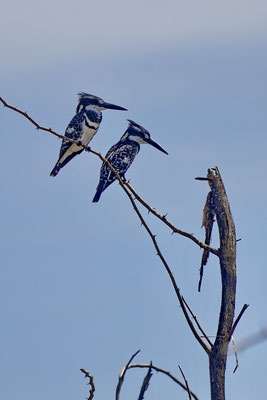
(245, 306)
(125, 184)
(91, 382)
(42, 128)
(186, 383)
(122, 375)
(146, 382)
(163, 371)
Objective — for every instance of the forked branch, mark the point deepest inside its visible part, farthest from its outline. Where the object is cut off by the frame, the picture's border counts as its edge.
(167, 373)
(124, 186)
(226, 253)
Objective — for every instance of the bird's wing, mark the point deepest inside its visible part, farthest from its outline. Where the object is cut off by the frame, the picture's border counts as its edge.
(112, 150)
(123, 157)
(120, 157)
(73, 131)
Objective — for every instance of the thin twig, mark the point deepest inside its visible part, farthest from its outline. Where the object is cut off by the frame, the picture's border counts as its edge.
(146, 382)
(137, 197)
(245, 306)
(122, 375)
(201, 178)
(197, 323)
(163, 371)
(91, 382)
(42, 128)
(186, 383)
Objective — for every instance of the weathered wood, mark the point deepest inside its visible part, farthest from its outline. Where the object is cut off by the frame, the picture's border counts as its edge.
(227, 256)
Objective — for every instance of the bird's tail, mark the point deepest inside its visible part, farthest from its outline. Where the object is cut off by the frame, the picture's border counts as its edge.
(63, 160)
(55, 170)
(99, 190)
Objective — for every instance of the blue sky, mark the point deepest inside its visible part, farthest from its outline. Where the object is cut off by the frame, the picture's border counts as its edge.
(81, 286)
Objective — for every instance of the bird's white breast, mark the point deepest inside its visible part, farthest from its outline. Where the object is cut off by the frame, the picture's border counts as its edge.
(88, 133)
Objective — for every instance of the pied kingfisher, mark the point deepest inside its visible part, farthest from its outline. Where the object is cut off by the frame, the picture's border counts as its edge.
(122, 154)
(82, 127)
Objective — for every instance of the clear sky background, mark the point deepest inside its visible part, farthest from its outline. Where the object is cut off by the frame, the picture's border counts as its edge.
(81, 285)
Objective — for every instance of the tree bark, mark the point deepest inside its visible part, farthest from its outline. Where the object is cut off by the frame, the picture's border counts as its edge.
(227, 256)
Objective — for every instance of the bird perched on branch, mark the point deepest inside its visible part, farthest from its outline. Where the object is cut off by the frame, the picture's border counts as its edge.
(82, 127)
(122, 154)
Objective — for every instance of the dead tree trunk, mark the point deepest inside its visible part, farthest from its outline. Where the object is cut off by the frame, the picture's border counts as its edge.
(227, 256)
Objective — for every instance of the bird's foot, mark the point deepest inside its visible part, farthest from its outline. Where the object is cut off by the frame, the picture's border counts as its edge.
(124, 180)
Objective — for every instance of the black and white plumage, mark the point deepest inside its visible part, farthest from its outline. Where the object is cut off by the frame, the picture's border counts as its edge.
(82, 127)
(122, 154)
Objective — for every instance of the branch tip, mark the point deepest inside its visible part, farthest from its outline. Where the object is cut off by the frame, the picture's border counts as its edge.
(201, 178)
(186, 383)
(245, 306)
(122, 374)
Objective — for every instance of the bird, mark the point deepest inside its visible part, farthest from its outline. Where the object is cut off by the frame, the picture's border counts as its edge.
(122, 154)
(82, 127)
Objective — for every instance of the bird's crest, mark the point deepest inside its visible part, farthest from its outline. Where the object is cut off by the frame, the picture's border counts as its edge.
(83, 96)
(141, 128)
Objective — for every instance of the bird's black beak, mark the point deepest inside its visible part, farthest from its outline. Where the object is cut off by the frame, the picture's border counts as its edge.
(113, 107)
(156, 145)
